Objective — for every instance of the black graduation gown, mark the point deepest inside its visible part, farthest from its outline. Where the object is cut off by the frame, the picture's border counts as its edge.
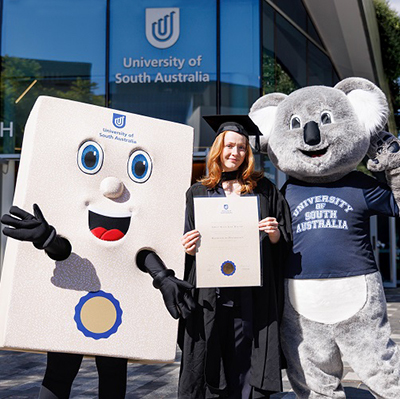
(201, 363)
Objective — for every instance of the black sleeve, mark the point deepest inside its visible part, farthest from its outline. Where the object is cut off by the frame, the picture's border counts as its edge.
(189, 213)
(150, 262)
(59, 249)
(278, 208)
(195, 190)
(283, 216)
(279, 251)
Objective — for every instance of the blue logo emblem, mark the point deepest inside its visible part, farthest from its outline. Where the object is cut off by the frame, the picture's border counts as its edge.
(226, 206)
(162, 26)
(119, 121)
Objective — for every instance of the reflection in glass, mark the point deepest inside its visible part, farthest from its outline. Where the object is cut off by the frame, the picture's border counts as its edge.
(290, 59)
(176, 83)
(240, 55)
(291, 51)
(320, 70)
(48, 48)
(275, 75)
(296, 11)
(275, 78)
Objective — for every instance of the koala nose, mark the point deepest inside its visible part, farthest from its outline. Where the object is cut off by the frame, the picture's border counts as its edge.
(111, 187)
(311, 133)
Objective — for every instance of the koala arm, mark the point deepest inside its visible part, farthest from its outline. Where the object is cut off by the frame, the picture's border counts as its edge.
(384, 154)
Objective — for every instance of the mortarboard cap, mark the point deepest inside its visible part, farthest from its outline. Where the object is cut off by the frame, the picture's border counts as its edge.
(241, 124)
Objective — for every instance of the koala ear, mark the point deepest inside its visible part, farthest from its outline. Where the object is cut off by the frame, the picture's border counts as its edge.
(368, 101)
(263, 112)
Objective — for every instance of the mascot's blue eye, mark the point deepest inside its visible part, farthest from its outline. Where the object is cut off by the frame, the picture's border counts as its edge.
(90, 157)
(295, 122)
(326, 118)
(139, 166)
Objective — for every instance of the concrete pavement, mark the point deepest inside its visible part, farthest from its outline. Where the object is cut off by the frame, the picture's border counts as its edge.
(21, 373)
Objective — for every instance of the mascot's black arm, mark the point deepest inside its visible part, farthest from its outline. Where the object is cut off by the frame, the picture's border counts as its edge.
(35, 229)
(175, 292)
(23, 226)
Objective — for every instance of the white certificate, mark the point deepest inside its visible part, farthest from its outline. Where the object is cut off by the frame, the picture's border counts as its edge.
(228, 252)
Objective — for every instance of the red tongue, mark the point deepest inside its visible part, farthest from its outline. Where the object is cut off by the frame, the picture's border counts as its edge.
(107, 235)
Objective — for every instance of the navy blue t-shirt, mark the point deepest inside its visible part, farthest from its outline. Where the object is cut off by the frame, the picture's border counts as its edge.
(330, 224)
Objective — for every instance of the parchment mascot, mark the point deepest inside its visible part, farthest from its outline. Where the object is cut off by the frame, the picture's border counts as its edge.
(110, 209)
(335, 303)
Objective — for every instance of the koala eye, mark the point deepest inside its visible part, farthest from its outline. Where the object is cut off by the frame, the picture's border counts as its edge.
(90, 157)
(326, 118)
(295, 122)
(140, 166)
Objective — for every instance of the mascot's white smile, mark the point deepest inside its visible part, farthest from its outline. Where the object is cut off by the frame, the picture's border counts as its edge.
(108, 227)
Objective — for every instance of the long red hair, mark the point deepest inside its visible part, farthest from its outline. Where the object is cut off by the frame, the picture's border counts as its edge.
(247, 175)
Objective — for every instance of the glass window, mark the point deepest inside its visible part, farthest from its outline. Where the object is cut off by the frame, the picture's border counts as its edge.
(163, 60)
(320, 70)
(336, 78)
(274, 77)
(290, 60)
(296, 11)
(240, 55)
(268, 42)
(49, 48)
(312, 32)
(290, 53)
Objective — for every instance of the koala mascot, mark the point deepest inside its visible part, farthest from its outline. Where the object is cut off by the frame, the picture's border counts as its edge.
(334, 300)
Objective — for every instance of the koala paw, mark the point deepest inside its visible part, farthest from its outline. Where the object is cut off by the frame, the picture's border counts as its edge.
(384, 152)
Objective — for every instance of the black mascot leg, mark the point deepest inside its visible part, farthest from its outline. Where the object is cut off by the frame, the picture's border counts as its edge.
(61, 371)
(112, 377)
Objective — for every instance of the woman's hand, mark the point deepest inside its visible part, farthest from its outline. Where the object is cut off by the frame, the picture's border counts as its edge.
(189, 241)
(270, 226)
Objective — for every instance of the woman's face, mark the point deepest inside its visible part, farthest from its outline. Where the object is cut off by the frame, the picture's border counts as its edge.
(234, 151)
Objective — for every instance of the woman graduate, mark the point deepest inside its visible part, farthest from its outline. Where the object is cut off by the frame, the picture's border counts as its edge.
(230, 344)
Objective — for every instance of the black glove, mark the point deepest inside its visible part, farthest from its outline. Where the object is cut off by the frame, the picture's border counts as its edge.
(175, 292)
(35, 229)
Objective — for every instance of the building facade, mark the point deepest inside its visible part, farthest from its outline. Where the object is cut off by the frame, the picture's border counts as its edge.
(177, 60)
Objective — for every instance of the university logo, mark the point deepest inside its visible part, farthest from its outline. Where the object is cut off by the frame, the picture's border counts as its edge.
(226, 207)
(119, 120)
(162, 26)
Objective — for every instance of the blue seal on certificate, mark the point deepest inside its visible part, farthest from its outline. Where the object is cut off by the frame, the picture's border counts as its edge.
(228, 268)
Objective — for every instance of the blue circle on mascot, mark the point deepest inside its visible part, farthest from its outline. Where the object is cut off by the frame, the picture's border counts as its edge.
(98, 315)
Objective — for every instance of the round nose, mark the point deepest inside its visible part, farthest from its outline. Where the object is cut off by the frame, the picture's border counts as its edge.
(311, 133)
(111, 187)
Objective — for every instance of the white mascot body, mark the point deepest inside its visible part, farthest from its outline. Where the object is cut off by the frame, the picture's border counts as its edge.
(335, 303)
(112, 183)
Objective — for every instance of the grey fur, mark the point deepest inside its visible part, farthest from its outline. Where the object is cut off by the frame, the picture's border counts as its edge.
(364, 340)
(384, 152)
(274, 99)
(358, 111)
(365, 86)
(346, 139)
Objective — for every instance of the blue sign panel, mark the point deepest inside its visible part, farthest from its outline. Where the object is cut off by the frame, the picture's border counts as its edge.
(152, 42)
